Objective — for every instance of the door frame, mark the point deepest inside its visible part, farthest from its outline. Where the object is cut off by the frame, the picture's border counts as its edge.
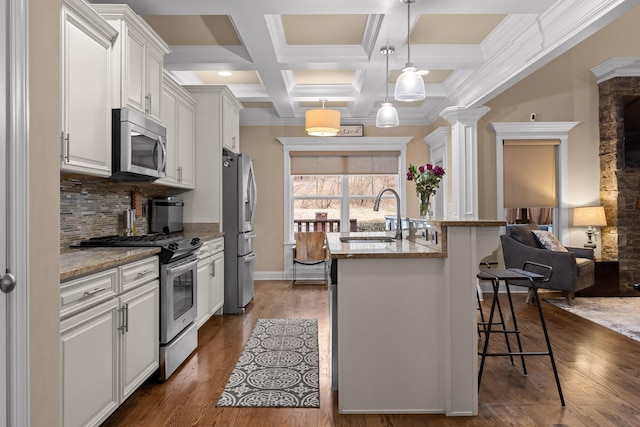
(16, 73)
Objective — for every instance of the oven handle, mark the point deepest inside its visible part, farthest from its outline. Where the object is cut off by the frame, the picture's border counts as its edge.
(185, 266)
(249, 258)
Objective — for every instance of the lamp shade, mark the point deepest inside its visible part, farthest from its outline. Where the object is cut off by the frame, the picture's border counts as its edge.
(387, 116)
(322, 122)
(409, 86)
(590, 216)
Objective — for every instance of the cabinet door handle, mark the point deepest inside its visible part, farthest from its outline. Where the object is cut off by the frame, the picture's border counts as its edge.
(64, 140)
(124, 318)
(147, 103)
(179, 173)
(213, 268)
(121, 315)
(94, 291)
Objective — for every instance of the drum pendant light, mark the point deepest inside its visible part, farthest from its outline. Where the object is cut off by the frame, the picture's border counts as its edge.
(387, 116)
(409, 86)
(321, 122)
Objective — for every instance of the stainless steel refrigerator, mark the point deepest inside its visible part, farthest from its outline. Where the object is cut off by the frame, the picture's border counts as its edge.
(238, 217)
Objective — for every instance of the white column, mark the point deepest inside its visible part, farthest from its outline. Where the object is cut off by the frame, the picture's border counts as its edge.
(464, 160)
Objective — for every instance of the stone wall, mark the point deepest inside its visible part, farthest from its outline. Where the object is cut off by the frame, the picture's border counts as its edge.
(93, 207)
(619, 185)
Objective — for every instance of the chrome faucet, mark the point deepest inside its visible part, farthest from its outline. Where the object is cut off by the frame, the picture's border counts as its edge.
(376, 206)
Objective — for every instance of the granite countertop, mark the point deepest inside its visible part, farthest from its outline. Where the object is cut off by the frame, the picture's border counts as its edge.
(462, 222)
(375, 249)
(75, 262)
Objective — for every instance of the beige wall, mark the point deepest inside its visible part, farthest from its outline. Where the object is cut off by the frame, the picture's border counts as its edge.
(44, 199)
(563, 90)
(260, 143)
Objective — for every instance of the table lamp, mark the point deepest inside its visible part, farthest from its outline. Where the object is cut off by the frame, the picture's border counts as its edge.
(591, 216)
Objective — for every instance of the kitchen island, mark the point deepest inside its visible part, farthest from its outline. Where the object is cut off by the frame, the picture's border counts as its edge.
(403, 314)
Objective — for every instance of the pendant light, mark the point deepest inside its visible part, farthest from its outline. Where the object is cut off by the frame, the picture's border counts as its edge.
(387, 116)
(409, 86)
(321, 122)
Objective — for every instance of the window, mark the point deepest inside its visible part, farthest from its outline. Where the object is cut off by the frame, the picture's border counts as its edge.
(530, 182)
(341, 202)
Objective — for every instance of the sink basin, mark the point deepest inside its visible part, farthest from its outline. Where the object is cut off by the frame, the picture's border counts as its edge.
(367, 239)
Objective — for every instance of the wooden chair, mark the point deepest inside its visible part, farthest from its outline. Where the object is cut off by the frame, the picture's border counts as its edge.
(311, 249)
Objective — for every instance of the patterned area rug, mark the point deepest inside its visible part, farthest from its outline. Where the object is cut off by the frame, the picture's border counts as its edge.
(278, 367)
(619, 314)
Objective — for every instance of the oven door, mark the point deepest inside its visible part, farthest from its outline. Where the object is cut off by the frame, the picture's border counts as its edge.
(177, 297)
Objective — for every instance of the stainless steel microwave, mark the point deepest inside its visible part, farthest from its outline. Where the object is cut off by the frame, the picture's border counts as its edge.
(139, 150)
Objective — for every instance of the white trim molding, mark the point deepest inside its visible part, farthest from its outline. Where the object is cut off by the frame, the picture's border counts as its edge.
(437, 142)
(536, 131)
(628, 66)
(464, 160)
(17, 208)
(336, 143)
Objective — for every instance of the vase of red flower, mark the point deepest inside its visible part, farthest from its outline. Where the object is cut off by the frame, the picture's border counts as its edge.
(427, 179)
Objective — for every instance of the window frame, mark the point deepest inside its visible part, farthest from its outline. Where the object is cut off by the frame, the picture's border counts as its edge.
(344, 198)
(336, 143)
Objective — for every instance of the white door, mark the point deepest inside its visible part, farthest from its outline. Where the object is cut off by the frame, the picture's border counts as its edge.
(13, 214)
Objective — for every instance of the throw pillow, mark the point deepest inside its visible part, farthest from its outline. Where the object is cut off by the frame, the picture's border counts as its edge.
(548, 241)
(522, 233)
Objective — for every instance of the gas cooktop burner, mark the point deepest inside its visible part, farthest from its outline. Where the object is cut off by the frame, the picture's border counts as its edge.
(172, 247)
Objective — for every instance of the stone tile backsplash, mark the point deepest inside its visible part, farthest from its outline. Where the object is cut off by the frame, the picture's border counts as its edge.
(93, 207)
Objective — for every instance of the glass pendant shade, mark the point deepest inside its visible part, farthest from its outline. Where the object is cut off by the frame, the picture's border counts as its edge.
(409, 86)
(322, 122)
(387, 116)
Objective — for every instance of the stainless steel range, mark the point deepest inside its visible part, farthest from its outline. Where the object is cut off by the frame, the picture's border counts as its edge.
(178, 287)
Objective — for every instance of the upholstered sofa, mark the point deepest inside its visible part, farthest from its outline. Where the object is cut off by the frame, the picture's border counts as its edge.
(573, 270)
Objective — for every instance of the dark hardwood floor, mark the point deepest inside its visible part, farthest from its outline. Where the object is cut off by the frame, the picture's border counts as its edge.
(599, 371)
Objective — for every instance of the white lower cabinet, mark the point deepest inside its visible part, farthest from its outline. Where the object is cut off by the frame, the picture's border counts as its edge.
(110, 348)
(204, 277)
(140, 337)
(210, 280)
(89, 345)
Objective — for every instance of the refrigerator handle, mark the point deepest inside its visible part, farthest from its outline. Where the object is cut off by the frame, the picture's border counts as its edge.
(253, 196)
(249, 258)
(248, 236)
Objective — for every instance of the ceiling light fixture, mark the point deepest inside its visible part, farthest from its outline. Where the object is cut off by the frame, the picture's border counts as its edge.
(387, 116)
(409, 86)
(321, 122)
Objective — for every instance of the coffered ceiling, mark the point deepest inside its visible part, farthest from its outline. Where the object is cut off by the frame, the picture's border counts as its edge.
(286, 55)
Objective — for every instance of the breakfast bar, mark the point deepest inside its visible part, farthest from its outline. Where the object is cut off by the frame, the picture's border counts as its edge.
(403, 317)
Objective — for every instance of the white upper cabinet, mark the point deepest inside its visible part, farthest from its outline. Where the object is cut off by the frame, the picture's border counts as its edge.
(217, 126)
(138, 57)
(230, 123)
(179, 118)
(86, 48)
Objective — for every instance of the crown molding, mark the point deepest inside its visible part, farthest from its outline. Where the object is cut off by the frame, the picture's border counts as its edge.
(617, 67)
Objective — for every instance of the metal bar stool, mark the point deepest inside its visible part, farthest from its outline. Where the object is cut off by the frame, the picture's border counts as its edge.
(530, 275)
(483, 324)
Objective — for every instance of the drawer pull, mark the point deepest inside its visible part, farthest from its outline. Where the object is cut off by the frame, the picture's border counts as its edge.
(94, 291)
(143, 273)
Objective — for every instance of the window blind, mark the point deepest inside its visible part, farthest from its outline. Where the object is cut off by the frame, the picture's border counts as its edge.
(344, 162)
(530, 173)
